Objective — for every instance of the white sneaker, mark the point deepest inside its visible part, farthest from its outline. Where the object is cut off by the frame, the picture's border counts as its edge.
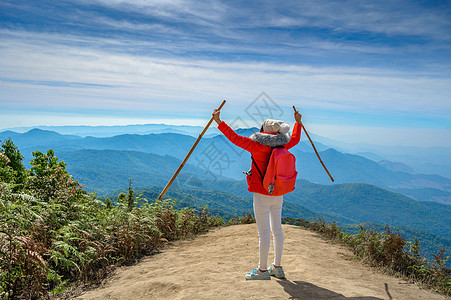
(256, 274)
(278, 272)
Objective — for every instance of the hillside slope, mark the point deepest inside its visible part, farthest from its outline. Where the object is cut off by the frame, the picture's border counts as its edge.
(105, 170)
(213, 266)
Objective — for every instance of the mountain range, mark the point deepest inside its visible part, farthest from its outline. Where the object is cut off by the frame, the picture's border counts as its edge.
(108, 131)
(421, 159)
(215, 157)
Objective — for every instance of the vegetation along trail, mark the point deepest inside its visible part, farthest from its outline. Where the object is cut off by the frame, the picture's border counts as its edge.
(212, 266)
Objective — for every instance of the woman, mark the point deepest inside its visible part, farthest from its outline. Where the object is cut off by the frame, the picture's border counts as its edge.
(267, 208)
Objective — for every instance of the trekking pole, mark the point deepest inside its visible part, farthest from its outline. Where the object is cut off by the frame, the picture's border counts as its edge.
(314, 148)
(188, 155)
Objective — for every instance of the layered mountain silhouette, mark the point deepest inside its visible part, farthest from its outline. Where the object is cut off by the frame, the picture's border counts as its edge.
(218, 158)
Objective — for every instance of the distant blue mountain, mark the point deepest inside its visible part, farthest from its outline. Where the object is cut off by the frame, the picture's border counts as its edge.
(422, 159)
(347, 168)
(107, 170)
(428, 160)
(37, 137)
(217, 157)
(108, 131)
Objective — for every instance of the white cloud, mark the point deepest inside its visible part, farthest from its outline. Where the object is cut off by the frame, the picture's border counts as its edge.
(403, 17)
(141, 81)
(202, 13)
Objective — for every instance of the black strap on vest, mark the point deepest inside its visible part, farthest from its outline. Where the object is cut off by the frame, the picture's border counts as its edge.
(259, 172)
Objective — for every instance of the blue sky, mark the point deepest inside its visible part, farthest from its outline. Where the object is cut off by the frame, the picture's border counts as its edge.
(359, 71)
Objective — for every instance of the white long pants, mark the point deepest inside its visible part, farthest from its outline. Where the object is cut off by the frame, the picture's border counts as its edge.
(268, 214)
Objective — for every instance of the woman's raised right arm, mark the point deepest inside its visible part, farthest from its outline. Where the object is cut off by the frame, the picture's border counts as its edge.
(240, 141)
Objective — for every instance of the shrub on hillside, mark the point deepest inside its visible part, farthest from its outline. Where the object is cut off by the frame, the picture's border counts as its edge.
(247, 218)
(54, 233)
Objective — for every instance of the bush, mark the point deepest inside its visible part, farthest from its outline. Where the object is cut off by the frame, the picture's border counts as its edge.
(11, 168)
(54, 234)
(247, 218)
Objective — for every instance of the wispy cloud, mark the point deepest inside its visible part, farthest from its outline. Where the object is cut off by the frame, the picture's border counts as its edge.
(96, 71)
(409, 18)
(385, 57)
(404, 17)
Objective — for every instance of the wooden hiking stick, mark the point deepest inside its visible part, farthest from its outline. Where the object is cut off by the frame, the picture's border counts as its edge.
(314, 148)
(188, 155)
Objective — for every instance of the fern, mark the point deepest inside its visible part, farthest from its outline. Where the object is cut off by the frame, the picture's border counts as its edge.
(54, 234)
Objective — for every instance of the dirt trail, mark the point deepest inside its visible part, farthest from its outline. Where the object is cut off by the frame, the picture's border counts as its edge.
(213, 266)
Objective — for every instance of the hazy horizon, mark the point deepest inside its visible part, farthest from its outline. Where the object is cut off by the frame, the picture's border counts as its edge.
(202, 123)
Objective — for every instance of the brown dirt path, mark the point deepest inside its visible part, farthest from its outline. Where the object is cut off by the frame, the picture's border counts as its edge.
(213, 266)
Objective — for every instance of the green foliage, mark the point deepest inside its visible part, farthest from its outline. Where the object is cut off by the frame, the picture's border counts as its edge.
(108, 203)
(121, 198)
(43, 247)
(49, 180)
(130, 197)
(388, 250)
(11, 167)
(54, 234)
(247, 218)
(430, 243)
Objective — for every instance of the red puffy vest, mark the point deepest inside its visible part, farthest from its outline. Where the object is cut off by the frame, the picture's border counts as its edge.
(280, 175)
